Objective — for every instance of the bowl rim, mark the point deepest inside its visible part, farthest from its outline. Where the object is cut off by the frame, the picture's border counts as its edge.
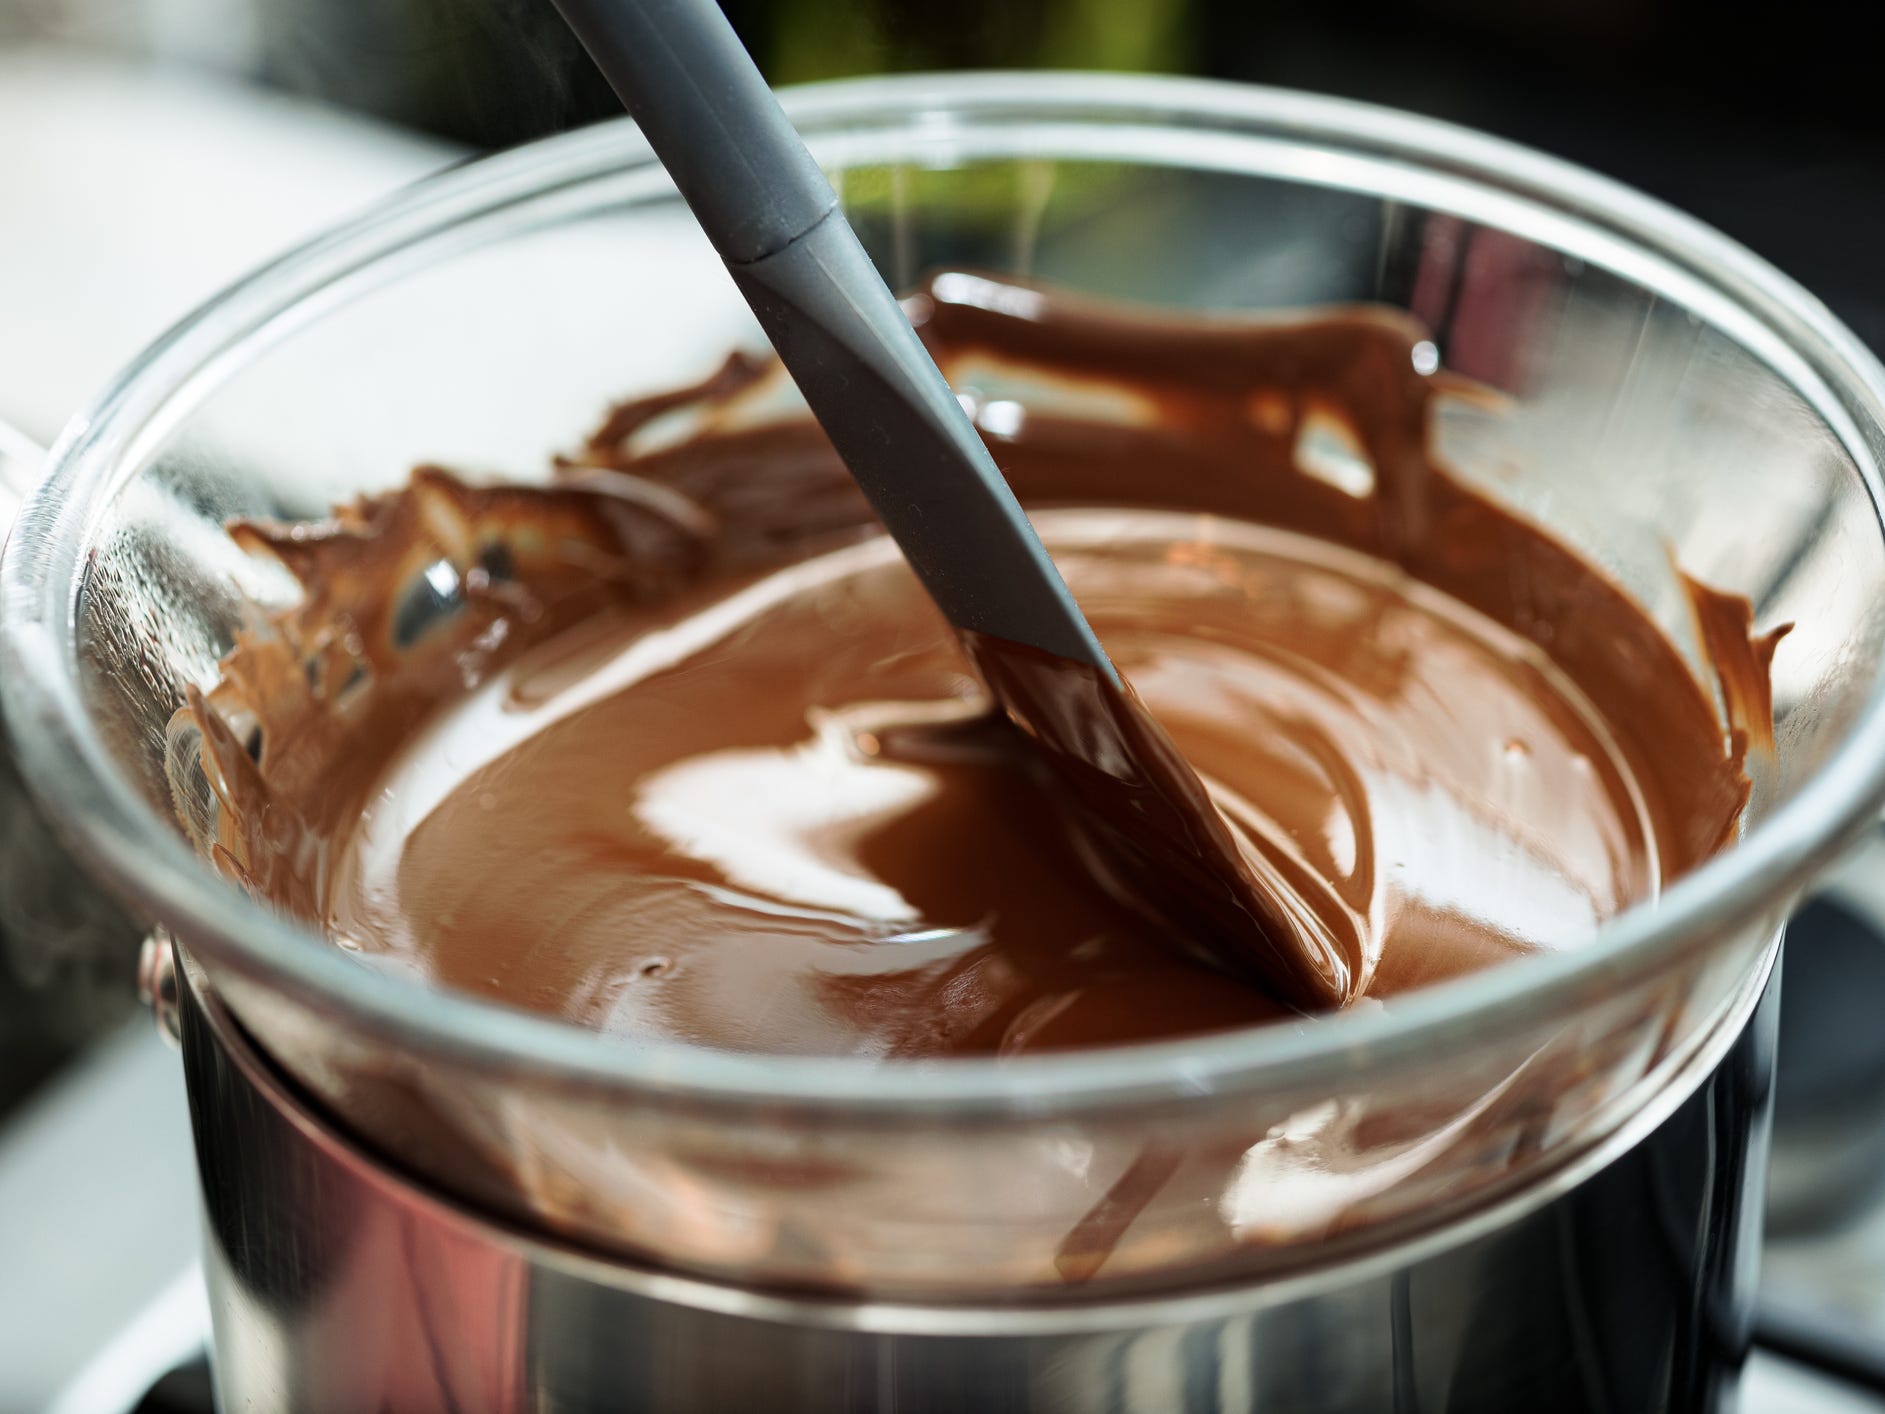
(1043, 1311)
(112, 824)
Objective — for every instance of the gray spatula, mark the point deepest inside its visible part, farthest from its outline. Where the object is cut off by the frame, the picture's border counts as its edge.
(774, 219)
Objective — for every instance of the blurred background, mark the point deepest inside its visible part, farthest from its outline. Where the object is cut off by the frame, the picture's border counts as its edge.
(1760, 118)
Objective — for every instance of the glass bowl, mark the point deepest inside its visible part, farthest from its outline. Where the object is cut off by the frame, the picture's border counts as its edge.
(1665, 399)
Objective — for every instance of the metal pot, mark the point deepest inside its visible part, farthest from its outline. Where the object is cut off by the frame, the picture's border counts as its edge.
(337, 1284)
(1670, 400)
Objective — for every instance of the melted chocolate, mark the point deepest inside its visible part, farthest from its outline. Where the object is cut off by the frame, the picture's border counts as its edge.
(1160, 842)
(677, 747)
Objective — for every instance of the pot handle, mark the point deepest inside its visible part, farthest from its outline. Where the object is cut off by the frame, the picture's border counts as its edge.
(20, 462)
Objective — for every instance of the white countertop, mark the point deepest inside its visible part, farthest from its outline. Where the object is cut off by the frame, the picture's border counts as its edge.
(130, 194)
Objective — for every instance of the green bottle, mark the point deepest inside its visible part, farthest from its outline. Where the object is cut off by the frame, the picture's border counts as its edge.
(799, 41)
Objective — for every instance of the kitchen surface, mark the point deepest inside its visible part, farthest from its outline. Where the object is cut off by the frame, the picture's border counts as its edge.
(148, 158)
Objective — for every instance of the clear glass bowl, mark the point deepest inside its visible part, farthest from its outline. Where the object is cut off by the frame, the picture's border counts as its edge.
(1668, 400)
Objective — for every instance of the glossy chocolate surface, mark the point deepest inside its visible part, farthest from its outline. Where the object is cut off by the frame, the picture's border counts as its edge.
(676, 747)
